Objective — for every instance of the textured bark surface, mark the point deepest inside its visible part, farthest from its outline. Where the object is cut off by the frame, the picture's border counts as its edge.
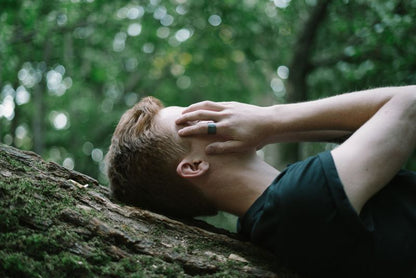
(56, 221)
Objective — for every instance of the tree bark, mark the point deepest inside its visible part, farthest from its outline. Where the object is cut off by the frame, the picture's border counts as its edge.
(54, 221)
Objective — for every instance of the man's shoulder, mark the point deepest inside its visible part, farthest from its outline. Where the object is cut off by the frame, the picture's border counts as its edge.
(301, 185)
(308, 174)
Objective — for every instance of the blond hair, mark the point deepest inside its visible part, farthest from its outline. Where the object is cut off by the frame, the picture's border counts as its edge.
(141, 165)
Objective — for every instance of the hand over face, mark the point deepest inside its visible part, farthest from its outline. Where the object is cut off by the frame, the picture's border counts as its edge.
(239, 127)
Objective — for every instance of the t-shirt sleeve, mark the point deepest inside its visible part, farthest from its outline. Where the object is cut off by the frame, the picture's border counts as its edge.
(343, 206)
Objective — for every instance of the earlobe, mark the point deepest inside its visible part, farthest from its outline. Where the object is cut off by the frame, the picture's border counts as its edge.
(192, 169)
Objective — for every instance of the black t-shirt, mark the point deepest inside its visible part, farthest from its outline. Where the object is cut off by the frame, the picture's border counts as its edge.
(306, 219)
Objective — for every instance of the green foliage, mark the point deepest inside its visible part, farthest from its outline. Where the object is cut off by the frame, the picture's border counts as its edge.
(69, 69)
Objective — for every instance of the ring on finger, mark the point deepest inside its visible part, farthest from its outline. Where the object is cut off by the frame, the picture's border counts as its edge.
(212, 128)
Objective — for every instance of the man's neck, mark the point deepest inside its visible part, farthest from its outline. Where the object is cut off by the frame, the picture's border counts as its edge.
(236, 184)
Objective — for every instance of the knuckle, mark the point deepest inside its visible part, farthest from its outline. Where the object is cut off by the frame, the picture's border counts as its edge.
(225, 125)
(200, 129)
(227, 113)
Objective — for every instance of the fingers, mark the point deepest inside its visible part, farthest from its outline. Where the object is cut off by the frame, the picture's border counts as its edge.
(204, 105)
(199, 115)
(225, 147)
(196, 129)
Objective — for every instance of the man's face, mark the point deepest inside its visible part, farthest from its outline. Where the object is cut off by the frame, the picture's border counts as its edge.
(166, 118)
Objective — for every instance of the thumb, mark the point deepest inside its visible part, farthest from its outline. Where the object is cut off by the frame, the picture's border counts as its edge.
(225, 147)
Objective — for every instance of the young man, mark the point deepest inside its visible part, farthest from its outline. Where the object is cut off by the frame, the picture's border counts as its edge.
(349, 212)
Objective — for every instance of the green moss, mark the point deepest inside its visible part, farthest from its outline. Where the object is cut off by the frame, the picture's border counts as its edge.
(9, 220)
(33, 244)
(14, 163)
(98, 256)
(36, 242)
(203, 245)
(68, 265)
(123, 268)
(18, 265)
(37, 245)
(158, 231)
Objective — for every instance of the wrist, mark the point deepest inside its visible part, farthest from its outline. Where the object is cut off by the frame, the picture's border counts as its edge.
(274, 121)
(278, 119)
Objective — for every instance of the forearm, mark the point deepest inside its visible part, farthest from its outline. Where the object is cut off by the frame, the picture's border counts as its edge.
(241, 127)
(345, 112)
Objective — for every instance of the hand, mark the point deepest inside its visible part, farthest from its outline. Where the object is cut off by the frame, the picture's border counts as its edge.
(239, 126)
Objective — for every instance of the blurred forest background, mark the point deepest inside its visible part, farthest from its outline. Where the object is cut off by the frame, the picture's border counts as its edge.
(70, 68)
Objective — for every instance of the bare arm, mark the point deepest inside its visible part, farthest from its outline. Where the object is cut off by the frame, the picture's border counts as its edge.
(242, 126)
(345, 112)
(371, 157)
(383, 123)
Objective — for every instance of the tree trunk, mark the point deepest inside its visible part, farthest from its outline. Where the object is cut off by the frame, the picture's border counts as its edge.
(299, 67)
(38, 118)
(54, 221)
(38, 122)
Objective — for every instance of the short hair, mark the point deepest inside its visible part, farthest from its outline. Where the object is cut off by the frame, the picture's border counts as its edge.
(141, 166)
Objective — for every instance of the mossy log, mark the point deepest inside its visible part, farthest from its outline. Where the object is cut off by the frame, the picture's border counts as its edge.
(56, 222)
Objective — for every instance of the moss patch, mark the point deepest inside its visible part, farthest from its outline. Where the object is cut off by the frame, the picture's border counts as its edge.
(50, 226)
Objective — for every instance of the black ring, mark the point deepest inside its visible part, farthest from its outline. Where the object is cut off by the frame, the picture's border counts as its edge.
(212, 128)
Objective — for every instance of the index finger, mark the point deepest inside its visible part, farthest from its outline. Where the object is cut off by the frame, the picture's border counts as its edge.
(203, 105)
(199, 115)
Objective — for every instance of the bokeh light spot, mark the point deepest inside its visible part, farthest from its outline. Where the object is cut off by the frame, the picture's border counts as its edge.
(184, 82)
(167, 20)
(277, 86)
(182, 35)
(87, 148)
(59, 120)
(281, 3)
(134, 12)
(68, 163)
(7, 108)
(134, 29)
(97, 155)
(148, 48)
(163, 32)
(21, 132)
(214, 20)
(283, 72)
(22, 95)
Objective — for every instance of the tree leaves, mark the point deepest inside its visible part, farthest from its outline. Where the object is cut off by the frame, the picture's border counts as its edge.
(185, 51)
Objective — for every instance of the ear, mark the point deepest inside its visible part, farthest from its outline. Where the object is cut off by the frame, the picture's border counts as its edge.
(192, 168)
